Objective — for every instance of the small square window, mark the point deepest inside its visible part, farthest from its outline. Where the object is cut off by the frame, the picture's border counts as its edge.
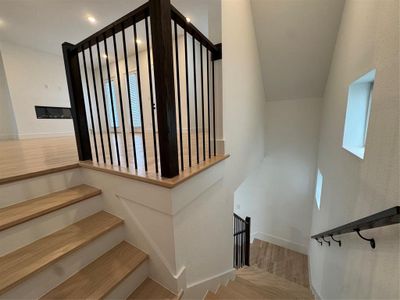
(357, 114)
(318, 188)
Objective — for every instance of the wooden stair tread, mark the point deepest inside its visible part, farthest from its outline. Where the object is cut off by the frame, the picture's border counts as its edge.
(211, 296)
(150, 289)
(239, 290)
(24, 262)
(268, 280)
(98, 279)
(270, 292)
(253, 283)
(280, 261)
(30, 209)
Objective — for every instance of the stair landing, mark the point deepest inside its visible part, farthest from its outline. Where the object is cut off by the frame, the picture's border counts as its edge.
(276, 273)
(280, 261)
(252, 283)
(24, 159)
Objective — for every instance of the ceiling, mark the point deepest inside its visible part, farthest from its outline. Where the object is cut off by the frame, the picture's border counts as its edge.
(296, 39)
(45, 24)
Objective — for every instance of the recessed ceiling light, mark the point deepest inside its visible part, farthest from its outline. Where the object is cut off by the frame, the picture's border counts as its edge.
(188, 19)
(92, 19)
(104, 56)
(138, 41)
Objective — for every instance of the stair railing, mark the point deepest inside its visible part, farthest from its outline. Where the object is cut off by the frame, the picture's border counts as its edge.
(384, 218)
(241, 241)
(103, 118)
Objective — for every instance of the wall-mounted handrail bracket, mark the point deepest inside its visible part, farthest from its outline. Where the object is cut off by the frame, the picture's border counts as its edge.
(328, 242)
(319, 242)
(386, 217)
(371, 241)
(337, 241)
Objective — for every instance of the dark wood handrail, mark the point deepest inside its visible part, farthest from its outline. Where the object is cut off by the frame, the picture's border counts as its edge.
(190, 28)
(129, 19)
(384, 218)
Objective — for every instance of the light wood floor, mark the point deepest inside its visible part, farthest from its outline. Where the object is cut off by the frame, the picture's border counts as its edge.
(252, 283)
(280, 261)
(150, 289)
(21, 159)
(25, 158)
(275, 273)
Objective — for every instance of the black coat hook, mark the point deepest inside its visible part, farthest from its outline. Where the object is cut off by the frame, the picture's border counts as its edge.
(319, 242)
(371, 241)
(337, 241)
(328, 242)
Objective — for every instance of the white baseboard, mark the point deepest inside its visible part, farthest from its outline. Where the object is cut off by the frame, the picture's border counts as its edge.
(8, 137)
(220, 146)
(198, 290)
(280, 242)
(44, 135)
(314, 292)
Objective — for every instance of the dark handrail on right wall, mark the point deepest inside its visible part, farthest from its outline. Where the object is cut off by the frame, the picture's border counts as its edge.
(384, 218)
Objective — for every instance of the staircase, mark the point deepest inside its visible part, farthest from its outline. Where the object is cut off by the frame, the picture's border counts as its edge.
(63, 245)
(254, 283)
(275, 273)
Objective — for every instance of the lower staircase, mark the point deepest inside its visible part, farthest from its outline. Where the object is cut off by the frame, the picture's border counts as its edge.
(64, 246)
(67, 255)
(254, 283)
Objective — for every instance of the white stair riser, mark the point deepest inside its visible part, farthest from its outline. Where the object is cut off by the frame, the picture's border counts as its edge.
(22, 190)
(28, 232)
(47, 279)
(131, 283)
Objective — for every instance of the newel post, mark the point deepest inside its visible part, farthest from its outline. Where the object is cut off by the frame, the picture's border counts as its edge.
(161, 32)
(78, 111)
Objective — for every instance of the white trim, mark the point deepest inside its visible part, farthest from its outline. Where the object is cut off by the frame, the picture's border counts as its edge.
(8, 137)
(314, 292)
(312, 289)
(153, 244)
(280, 242)
(199, 289)
(220, 146)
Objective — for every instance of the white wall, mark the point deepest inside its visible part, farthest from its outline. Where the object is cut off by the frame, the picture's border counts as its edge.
(354, 188)
(296, 39)
(188, 235)
(278, 195)
(35, 78)
(242, 91)
(8, 126)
